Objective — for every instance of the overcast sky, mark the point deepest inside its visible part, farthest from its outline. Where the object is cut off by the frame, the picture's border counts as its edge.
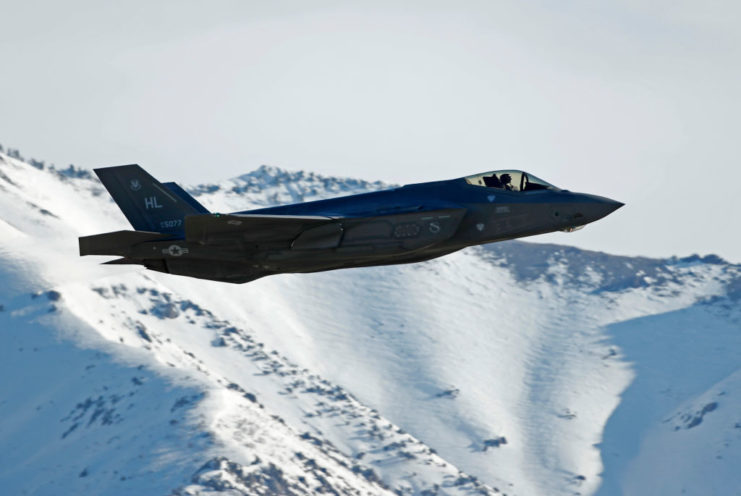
(637, 101)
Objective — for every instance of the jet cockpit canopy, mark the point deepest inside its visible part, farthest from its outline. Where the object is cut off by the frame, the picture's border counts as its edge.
(510, 180)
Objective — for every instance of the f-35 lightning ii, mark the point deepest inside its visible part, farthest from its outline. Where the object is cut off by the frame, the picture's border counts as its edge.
(177, 235)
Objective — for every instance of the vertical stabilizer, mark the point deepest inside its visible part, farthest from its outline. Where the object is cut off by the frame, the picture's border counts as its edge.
(175, 188)
(147, 204)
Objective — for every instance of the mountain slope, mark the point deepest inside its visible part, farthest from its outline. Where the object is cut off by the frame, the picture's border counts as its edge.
(533, 368)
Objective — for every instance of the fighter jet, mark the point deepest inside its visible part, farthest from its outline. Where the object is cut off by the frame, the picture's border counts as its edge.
(173, 233)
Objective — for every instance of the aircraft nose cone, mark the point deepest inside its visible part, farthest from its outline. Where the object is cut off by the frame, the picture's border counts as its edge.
(595, 207)
(611, 205)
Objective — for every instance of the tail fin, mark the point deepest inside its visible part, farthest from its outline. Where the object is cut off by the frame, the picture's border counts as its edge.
(148, 204)
(175, 188)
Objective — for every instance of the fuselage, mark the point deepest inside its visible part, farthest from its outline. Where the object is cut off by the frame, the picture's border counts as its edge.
(175, 234)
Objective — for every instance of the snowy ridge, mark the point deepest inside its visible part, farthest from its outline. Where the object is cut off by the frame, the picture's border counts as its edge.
(267, 186)
(221, 411)
(511, 368)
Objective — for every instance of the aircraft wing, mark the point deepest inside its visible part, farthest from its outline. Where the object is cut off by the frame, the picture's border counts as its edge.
(250, 228)
(405, 231)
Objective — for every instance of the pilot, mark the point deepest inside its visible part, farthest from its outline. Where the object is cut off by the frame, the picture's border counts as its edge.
(492, 181)
(506, 180)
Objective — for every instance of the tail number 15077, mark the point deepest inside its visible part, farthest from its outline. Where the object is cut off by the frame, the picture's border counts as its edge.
(169, 224)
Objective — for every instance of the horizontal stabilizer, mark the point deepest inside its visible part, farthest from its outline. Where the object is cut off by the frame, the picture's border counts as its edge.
(117, 243)
(124, 261)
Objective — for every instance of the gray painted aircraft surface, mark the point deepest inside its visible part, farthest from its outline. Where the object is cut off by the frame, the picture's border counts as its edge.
(177, 235)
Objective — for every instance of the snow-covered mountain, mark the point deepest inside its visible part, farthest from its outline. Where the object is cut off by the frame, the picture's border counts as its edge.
(512, 368)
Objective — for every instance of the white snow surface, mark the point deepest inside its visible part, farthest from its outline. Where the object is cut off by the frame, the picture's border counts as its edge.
(512, 368)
